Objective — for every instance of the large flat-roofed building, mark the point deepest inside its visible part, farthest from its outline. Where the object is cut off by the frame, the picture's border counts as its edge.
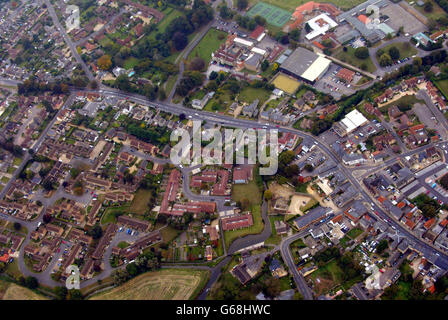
(351, 122)
(305, 65)
(320, 25)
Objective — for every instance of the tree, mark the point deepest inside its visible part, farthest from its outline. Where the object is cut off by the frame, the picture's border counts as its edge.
(122, 82)
(93, 84)
(105, 62)
(17, 226)
(60, 292)
(394, 53)
(428, 7)
(197, 64)
(327, 43)
(48, 185)
(31, 282)
(260, 20)
(96, 232)
(78, 188)
(295, 35)
(225, 12)
(180, 40)
(47, 218)
(385, 60)
(268, 195)
(362, 53)
(272, 287)
(213, 75)
(308, 167)
(75, 294)
(382, 246)
(242, 4)
(264, 65)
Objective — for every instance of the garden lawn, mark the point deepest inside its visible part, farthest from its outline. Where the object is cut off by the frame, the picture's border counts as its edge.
(140, 203)
(249, 191)
(208, 44)
(349, 57)
(436, 12)
(130, 63)
(249, 94)
(406, 49)
(354, 233)
(170, 15)
(274, 238)
(109, 213)
(443, 87)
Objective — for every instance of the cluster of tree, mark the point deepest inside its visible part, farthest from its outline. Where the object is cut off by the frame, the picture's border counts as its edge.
(292, 37)
(242, 4)
(320, 125)
(190, 80)
(154, 135)
(361, 53)
(429, 207)
(9, 145)
(62, 293)
(387, 58)
(29, 282)
(285, 168)
(149, 261)
(95, 232)
(249, 23)
(174, 37)
(225, 12)
(33, 86)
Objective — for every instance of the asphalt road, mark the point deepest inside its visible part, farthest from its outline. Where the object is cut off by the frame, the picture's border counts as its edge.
(67, 40)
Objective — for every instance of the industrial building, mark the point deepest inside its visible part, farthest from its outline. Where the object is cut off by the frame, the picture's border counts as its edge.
(305, 65)
(350, 123)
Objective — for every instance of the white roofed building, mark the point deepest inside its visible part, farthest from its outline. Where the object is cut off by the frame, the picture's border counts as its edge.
(320, 25)
(351, 122)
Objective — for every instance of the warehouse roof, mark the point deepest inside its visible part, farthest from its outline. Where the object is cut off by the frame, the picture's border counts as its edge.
(316, 69)
(305, 63)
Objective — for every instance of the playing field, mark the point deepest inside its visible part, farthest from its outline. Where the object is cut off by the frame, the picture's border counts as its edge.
(286, 84)
(273, 15)
(166, 284)
(11, 291)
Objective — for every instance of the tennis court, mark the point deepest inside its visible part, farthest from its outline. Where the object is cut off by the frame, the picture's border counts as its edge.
(273, 15)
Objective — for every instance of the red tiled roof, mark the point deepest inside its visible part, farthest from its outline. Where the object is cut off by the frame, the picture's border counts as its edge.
(363, 18)
(257, 32)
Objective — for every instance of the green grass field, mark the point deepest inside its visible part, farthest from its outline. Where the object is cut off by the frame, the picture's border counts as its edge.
(274, 238)
(249, 94)
(273, 14)
(139, 204)
(248, 191)
(130, 63)
(354, 233)
(443, 87)
(406, 49)
(170, 15)
(436, 12)
(349, 57)
(109, 216)
(208, 44)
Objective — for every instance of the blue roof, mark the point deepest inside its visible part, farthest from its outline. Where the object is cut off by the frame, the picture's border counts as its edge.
(275, 264)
